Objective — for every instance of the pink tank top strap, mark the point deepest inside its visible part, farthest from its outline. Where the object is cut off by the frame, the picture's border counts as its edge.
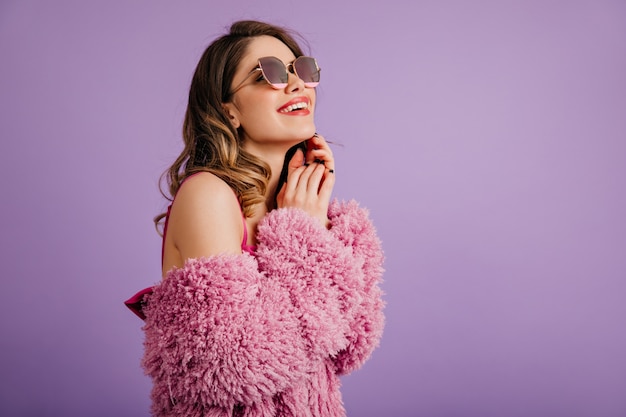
(251, 249)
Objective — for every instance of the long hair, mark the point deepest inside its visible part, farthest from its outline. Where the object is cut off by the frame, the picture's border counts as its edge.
(212, 144)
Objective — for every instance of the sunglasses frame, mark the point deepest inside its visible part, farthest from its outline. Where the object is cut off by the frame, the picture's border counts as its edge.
(290, 67)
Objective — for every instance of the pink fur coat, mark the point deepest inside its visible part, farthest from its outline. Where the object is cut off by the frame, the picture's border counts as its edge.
(237, 335)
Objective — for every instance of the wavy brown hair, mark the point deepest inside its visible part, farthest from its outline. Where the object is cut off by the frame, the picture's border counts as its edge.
(212, 144)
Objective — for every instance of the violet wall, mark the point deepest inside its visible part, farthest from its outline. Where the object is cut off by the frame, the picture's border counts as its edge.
(488, 139)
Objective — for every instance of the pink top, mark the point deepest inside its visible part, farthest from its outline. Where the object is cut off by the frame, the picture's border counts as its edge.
(251, 249)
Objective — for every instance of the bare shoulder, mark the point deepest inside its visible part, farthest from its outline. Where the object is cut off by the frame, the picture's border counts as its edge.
(207, 190)
(205, 219)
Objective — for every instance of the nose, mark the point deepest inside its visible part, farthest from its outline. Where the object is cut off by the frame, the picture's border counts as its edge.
(294, 83)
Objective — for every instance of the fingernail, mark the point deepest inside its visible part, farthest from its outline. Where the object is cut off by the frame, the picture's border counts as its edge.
(332, 171)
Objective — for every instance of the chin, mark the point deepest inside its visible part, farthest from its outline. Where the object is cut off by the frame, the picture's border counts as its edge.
(308, 133)
(299, 135)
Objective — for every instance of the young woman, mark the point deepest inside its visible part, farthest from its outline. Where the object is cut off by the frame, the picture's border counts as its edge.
(270, 290)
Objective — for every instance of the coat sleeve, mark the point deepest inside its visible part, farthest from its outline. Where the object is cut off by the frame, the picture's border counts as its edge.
(361, 294)
(219, 334)
(309, 261)
(344, 264)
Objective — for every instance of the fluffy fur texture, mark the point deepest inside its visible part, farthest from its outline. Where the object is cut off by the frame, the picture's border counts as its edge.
(236, 335)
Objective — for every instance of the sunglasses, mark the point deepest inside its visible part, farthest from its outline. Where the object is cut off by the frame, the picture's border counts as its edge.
(275, 71)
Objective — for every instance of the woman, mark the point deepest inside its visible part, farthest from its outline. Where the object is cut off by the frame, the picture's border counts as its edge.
(270, 291)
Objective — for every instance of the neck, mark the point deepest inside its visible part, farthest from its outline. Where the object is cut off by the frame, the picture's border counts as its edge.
(274, 156)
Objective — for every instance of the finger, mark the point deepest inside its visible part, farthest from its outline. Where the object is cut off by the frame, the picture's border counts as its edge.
(326, 188)
(290, 176)
(280, 197)
(293, 179)
(306, 183)
(324, 157)
(318, 149)
(315, 180)
(310, 147)
(296, 161)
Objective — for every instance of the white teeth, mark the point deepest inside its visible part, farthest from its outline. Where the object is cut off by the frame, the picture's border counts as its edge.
(297, 106)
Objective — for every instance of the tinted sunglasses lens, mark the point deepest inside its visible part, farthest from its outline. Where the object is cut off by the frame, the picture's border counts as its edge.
(274, 71)
(307, 70)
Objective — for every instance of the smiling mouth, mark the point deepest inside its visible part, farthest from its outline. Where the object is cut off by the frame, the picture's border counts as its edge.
(294, 107)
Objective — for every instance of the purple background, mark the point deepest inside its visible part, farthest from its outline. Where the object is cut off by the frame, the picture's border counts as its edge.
(487, 138)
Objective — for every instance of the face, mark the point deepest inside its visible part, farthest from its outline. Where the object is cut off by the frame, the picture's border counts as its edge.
(264, 115)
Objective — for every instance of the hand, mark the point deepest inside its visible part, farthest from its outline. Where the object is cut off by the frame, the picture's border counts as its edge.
(310, 180)
(318, 149)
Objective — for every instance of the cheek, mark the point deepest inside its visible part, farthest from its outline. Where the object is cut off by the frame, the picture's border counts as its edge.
(257, 117)
(256, 112)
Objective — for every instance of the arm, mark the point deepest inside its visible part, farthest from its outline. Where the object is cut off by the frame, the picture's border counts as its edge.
(205, 219)
(354, 246)
(362, 302)
(344, 320)
(295, 249)
(219, 333)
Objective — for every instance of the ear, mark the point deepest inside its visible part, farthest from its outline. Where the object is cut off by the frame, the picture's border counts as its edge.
(232, 113)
